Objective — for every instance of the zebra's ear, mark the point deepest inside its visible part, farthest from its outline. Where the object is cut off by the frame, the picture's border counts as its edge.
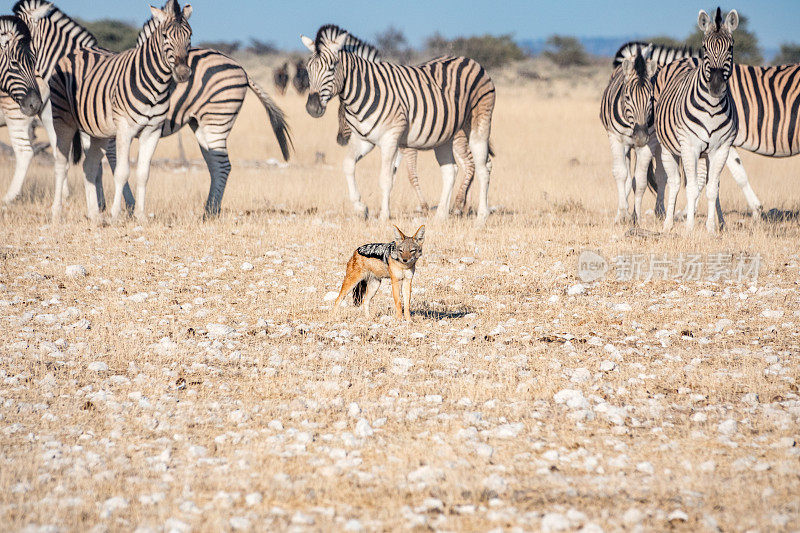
(338, 43)
(627, 66)
(732, 21)
(159, 16)
(652, 67)
(647, 51)
(187, 11)
(703, 21)
(40, 12)
(309, 43)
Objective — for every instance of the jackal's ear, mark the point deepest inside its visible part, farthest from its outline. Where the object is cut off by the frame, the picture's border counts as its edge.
(398, 235)
(419, 236)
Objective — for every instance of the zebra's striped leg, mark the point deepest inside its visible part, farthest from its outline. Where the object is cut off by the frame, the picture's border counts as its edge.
(386, 179)
(122, 169)
(447, 163)
(734, 164)
(91, 169)
(214, 147)
(356, 149)
(46, 117)
(643, 159)
(479, 146)
(620, 168)
(64, 139)
(464, 160)
(111, 157)
(657, 177)
(411, 167)
(690, 158)
(716, 162)
(148, 140)
(670, 164)
(19, 132)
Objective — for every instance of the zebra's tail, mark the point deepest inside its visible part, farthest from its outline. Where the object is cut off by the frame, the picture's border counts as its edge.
(358, 292)
(77, 148)
(276, 118)
(491, 152)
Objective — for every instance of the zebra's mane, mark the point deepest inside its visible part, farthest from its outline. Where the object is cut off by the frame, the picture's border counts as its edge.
(658, 52)
(640, 66)
(718, 19)
(23, 8)
(12, 23)
(352, 44)
(150, 26)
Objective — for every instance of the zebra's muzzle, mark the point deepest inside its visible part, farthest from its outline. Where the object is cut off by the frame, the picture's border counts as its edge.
(640, 136)
(31, 103)
(314, 105)
(181, 72)
(718, 83)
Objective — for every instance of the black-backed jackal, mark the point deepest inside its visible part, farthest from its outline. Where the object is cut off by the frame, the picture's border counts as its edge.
(371, 263)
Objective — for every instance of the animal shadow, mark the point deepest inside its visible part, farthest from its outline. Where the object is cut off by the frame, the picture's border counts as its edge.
(779, 215)
(442, 311)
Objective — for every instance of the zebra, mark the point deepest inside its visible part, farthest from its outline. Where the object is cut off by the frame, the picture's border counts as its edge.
(694, 115)
(761, 81)
(626, 112)
(281, 77)
(300, 80)
(21, 96)
(209, 102)
(402, 106)
(17, 66)
(118, 95)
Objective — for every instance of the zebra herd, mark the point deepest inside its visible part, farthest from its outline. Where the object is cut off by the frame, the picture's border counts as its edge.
(93, 103)
(669, 104)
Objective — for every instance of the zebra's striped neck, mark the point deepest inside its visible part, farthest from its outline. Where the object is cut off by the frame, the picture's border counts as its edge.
(53, 35)
(155, 68)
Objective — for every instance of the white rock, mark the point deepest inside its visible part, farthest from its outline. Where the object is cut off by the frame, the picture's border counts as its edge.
(495, 482)
(275, 425)
(431, 505)
(426, 475)
(113, 504)
(576, 289)
(645, 467)
(728, 427)
(632, 517)
(239, 523)
(353, 525)
(608, 366)
(622, 307)
(330, 296)
(573, 398)
(363, 429)
(247, 267)
(772, 313)
(139, 297)
(554, 522)
(677, 516)
(302, 519)
(580, 375)
(751, 399)
(237, 416)
(353, 410)
(699, 417)
(218, 330)
(76, 271)
(484, 450)
(467, 260)
(98, 366)
(254, 498)
(507, 431)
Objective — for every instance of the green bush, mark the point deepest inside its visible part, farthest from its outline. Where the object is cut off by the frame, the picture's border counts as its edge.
(565, 51)
(114, 35)
(788, 55)
(489, 50)
(221, 46)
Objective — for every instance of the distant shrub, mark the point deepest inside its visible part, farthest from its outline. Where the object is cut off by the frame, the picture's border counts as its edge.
(490, 51)
(262, 48)
(114, 35)
(788, 54)
(745, 47)
(665, 40)
(393, 45)
(227, 48)
(565, 51)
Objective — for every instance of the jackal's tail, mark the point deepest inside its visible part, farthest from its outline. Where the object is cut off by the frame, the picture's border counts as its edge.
(358, 292)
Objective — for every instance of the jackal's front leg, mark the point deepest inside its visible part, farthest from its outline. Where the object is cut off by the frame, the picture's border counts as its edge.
(398, 306)
(407, 298)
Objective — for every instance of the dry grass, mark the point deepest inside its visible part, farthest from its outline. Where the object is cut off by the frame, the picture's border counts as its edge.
(179, 425)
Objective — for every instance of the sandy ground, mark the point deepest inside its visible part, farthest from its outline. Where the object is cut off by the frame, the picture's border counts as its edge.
(181, 375)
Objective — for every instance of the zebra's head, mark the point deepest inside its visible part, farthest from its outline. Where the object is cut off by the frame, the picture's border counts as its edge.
(175, 37)
(17, 61)
(325, 79)
(637, 93)
(717, 51)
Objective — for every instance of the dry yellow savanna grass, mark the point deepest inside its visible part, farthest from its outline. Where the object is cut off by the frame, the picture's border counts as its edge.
(194, 379)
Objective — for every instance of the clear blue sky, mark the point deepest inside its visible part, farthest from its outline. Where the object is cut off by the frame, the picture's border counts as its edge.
(282, 21)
